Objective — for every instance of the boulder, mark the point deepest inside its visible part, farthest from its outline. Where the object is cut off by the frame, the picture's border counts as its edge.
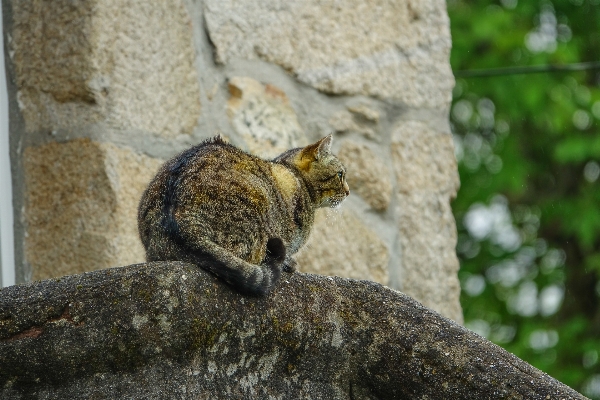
(171, 330)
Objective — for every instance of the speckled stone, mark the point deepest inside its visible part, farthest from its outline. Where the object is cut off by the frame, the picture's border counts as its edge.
(271, 75)
(262, 115)
(392, 50)
(341, 245)
(128, 64)
(82, 216)
(427, 180)
(367, 175)
(170, 330)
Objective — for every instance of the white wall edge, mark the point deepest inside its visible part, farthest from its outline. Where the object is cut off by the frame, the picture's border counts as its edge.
(7, 250)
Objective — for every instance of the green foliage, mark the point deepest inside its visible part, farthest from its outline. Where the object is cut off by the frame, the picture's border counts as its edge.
(528, 211)
(577, 148)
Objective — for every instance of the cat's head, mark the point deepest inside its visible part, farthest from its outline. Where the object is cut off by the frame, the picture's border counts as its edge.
(322, 172)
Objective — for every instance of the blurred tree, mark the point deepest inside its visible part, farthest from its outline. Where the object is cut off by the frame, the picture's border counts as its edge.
(528, 211)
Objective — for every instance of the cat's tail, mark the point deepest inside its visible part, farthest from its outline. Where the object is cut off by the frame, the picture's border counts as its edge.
(245, 277)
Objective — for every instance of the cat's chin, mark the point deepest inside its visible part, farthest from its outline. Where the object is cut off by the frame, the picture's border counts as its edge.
(335, 203)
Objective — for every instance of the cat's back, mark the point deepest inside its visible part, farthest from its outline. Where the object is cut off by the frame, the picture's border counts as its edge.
(202, 191)
(218, 172)
(209, 172)
(211, 157)
(211, 176)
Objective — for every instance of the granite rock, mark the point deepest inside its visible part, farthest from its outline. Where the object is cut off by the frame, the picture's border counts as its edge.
(262, 115)
(170, 330)
(367, 175)
(82, 216)
(271, 75)
(341, 245)
(344, 121)
(427, 180)
(390, 50)
(127, 64)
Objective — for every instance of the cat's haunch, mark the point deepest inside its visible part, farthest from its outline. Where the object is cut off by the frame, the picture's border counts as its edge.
(236, 215)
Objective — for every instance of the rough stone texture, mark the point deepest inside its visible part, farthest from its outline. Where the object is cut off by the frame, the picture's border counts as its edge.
(169, 330)
(367, 175)
(427, 179)
(394, 50)
(341, 245)
(127, 64)
(82, 216)
(263, 117)
(343, 121)
(365, 112)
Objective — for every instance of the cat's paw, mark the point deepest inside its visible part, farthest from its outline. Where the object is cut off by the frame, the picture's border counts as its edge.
(289, 265)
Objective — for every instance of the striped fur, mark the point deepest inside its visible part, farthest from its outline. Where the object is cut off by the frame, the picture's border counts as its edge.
(236, 215)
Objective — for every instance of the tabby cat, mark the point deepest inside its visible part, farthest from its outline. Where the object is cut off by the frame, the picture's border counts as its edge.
(236, 215)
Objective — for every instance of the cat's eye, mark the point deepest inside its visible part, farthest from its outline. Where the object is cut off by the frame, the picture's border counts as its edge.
(340, 175)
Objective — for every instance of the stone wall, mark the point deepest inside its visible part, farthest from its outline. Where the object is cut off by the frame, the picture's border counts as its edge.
(101, 92)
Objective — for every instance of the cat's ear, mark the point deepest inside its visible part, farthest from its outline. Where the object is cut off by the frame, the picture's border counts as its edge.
(319, 149)
(324, 146)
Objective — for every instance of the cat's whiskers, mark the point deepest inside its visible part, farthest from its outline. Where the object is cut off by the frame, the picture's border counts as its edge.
(323, 202)
(333, 217)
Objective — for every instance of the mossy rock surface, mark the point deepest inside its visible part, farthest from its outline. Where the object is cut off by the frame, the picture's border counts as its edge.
(170, 330)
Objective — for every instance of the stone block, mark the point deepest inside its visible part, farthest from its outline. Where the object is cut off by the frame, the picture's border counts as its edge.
(366, 112)
(341, 245)
(424, 158)
(427, 180)
(366, 174)
(392, 50)
(427, 241)
(129, 64)
(344, 121)
(81, 206)
(262, 115)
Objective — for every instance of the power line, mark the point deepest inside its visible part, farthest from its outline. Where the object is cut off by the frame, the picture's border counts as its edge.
(531, 69)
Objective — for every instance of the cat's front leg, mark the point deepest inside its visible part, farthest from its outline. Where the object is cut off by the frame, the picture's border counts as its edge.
(289, 264)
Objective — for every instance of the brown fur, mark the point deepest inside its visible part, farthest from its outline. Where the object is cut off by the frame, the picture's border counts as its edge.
(236, 215)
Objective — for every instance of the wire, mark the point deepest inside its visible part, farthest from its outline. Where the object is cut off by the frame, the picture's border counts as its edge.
(532, 69)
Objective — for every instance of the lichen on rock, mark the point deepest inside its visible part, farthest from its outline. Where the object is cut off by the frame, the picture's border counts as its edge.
(103, 333)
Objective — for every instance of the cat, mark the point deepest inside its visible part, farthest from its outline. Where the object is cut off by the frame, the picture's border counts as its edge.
(236, 215)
